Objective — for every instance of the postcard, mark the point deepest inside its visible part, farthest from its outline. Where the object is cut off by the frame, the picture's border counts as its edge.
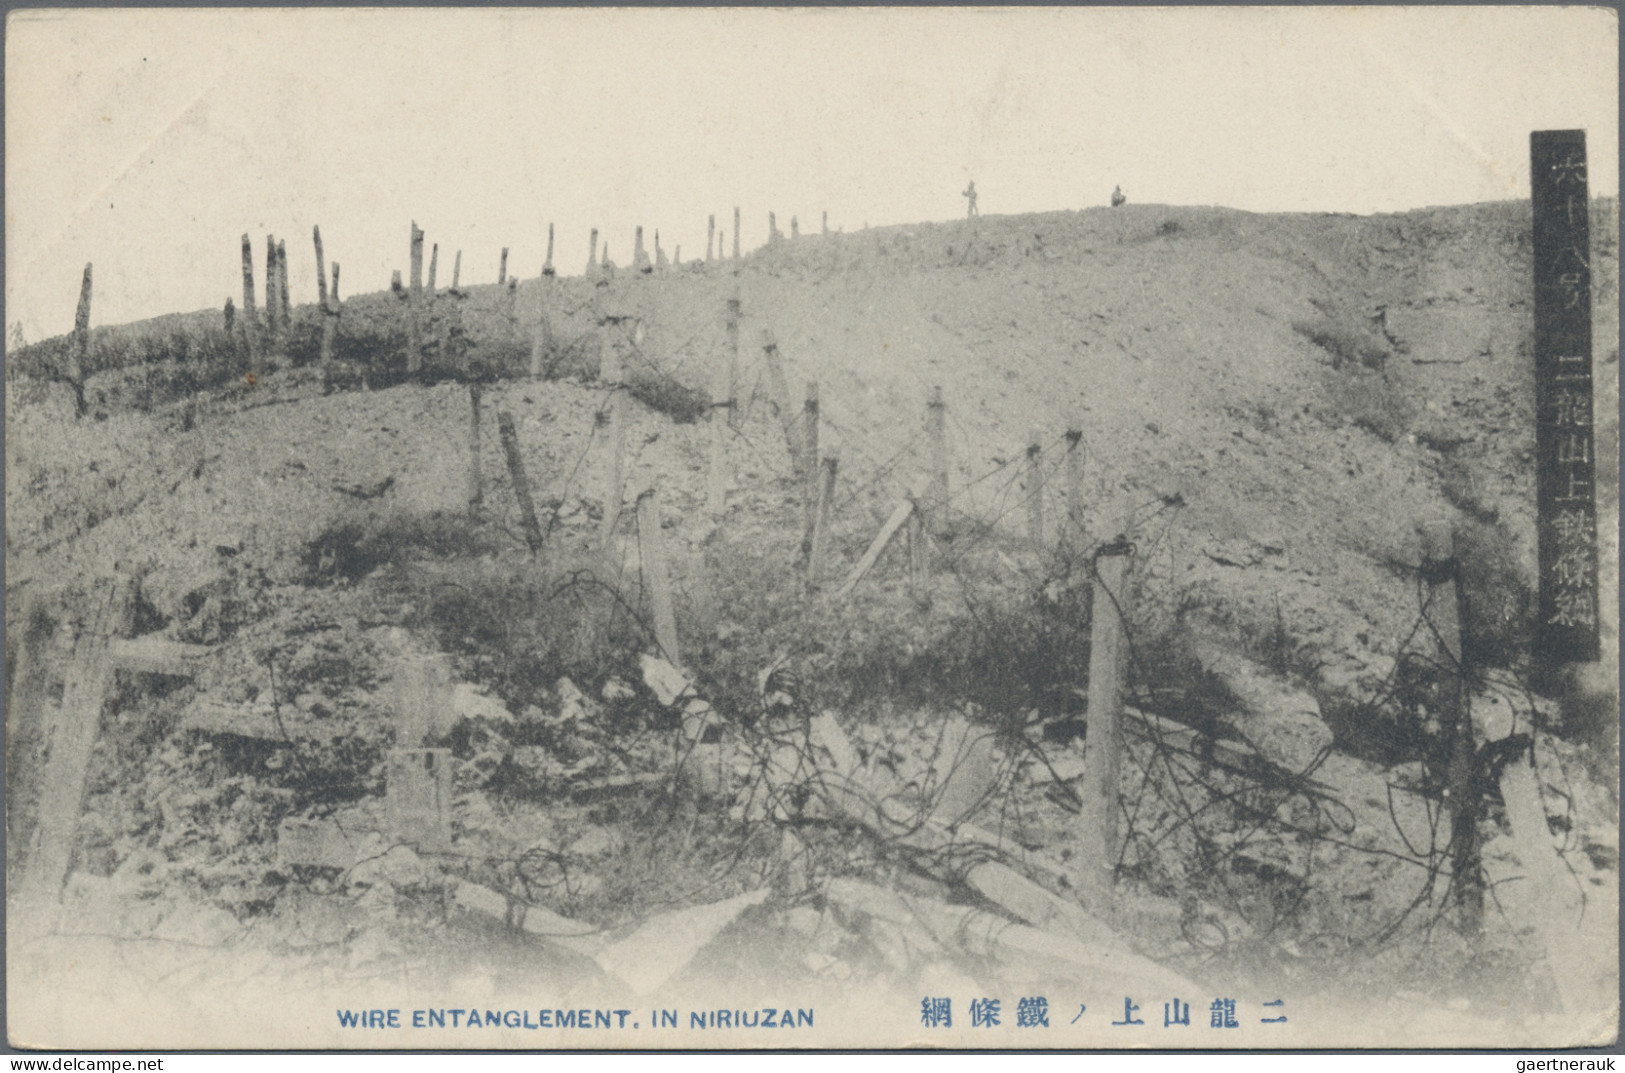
(817, 528)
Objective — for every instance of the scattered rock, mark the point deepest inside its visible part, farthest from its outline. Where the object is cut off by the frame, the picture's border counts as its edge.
(665, 944)
(468, 702)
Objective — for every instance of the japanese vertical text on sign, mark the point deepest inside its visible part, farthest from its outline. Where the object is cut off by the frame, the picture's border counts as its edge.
(1564, 447)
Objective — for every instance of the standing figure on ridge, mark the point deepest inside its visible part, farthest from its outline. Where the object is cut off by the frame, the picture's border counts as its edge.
(1118, 197)
(970, 192)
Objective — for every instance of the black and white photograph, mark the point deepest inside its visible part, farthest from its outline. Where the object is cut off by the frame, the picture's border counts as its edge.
(811, 528)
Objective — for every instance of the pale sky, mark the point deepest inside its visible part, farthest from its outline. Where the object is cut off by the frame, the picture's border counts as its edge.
(148, 141)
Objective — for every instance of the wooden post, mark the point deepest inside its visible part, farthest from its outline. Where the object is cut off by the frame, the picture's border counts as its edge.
(511, 309)
(521, 482)
(736, 232)
(735, 418)
(250, 317)
(795, 227)
(919, 559)
(640, 259)
(476, 486)
(610, 374)
(781, 403)
(718, 418)
(283, 293)
(414, 328)
(660, 254)
(418, 792)
(502, 270)
(823, 510)
(1108, 661)
(321, 267)
(327, 306)
(1441, 570)
(434, 265)
(772, 230)
(230, 315)
(71, 734)
(652, 553)
(1035, 491)
(936, 425)
(81, 339)
(28, 687)
(878, 545)
(592, 253)
(273, 307)
(547, 265)
(457, 273)
(1546, 892)
(1074, 484)
(809, 451)
(710, 234)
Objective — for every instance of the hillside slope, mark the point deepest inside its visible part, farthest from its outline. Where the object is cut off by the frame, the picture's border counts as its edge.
(1269, 406)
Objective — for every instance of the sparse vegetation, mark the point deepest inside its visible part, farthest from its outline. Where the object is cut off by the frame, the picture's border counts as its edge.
(1372, 401)
(1347, 345)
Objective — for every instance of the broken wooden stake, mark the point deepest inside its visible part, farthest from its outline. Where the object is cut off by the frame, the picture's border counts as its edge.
(652, 553)
(327, 306)
(547, 265)
(521, 483)
(1074, 484)
(1442, 611)
(434, 265)
(1035, 491)
(1556, 904)
(502, 269)
(781, 404)
(284, 293)
(457, 274)
(919, 559)
(81, 338)
(710, 234)
(414, 326)
(887, 531)
(476, 487)
(1108, 660)
(70, 737)
(824, 508)
(936, 426)
(251, 327)
(736, 232)
(273, 307)
(809, 451)
(610, 376)
(734, 416)
(592, 253)
(418, 791)
(717, 466)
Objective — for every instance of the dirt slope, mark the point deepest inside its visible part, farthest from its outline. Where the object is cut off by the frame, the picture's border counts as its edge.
(1270, 405)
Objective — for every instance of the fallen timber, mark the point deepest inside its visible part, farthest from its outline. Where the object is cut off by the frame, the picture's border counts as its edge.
(1047, 926)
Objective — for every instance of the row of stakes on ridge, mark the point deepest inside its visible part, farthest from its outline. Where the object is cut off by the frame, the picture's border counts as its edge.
(925, 508)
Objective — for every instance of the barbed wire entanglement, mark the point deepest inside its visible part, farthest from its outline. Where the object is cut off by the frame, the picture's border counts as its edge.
(949, 636)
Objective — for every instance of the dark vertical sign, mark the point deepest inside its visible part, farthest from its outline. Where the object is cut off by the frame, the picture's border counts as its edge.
(1565, 448)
